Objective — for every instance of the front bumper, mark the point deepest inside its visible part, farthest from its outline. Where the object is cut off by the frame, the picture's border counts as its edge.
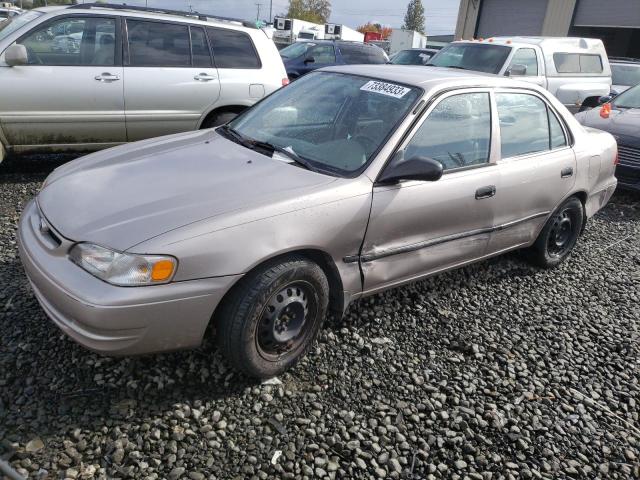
(109, 319)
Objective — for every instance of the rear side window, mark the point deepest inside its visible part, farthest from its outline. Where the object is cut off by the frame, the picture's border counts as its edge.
(360, 54)
(200, 48)
(577, 63)
(233, 49)
(156, 44)
(527, 125)
(457, 132)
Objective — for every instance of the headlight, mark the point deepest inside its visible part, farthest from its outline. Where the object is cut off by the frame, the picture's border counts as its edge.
(123, 269)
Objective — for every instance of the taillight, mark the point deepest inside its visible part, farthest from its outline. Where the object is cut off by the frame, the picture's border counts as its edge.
(605, 110)
(285, 82)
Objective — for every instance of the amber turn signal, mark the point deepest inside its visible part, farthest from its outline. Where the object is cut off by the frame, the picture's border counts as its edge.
(605, 110)
(162, 270)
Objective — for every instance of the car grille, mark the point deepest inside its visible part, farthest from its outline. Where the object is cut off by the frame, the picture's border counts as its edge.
(629, 156)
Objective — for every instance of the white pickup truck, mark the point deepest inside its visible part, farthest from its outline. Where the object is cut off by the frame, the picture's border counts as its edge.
(575, 70)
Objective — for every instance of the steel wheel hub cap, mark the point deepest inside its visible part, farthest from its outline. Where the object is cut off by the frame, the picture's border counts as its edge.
(560, 235)
(283, 319)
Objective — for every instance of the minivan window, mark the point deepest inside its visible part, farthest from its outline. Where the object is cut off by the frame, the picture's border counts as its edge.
(157, 44)
(233, 49)
(526, 125)
(200, 48)
(528, 58)
(335, 121)
(577, 63)
(14, 23)
(72, 41)
(457, 132)
(472, 56)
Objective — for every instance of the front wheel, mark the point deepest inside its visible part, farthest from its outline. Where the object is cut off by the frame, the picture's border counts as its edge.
(559, 235)
(272, 317)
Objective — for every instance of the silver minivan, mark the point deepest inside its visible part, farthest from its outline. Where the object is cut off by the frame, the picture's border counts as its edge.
(91, 76)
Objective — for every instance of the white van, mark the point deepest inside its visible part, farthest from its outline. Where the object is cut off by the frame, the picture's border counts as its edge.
(575, 70)
(91, 76)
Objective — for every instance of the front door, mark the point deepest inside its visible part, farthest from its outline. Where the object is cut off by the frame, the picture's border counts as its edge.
(417, 228)
(528, 59)
(170, 80)
(537, 167)
(71, 91)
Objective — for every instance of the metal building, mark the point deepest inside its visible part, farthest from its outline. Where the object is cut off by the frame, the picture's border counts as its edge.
(616, 22)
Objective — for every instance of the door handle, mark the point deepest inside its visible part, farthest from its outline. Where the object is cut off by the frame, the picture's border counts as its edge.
(204, 77)
(566, 172)
(107, 77)
(485, 192)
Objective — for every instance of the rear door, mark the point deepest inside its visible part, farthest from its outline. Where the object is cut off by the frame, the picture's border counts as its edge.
(537, 167)
(71, 91)
(170, 80)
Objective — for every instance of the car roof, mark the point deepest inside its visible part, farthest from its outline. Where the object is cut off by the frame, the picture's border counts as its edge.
(430, 77)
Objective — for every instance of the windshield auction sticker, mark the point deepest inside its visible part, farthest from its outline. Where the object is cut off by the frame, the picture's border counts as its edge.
(384, 88)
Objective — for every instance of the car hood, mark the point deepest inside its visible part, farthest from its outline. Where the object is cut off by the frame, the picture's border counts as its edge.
(123, 196)
(620, 122)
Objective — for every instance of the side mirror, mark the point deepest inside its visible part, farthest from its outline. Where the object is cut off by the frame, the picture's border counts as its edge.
(605, 99)
(415, 168)
(15, 55)
(309, 60)
(516, 70)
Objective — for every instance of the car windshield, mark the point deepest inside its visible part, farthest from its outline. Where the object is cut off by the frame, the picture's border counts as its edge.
(334, 122)
(628, 99)
(14, 23)
(411, 57)
(472, 56)
(296, 50)
(626, 75)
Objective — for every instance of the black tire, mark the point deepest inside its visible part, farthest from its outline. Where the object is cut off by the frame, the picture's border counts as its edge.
(271, 318)
(559, 235)
(218, 119)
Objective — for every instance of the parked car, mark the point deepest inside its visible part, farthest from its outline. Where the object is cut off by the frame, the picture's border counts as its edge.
(301, 58)
(625, 73)
(575, 70)
(263, 224)
(7, 13)
(413, 56)
(92, 76)
(620, 116)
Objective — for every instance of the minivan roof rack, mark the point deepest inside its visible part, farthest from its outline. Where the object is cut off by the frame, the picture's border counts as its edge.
(181, 13)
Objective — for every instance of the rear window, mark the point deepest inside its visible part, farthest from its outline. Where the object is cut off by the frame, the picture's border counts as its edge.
(156, 44)
(358, 54)
(233, 49)
(577, 63)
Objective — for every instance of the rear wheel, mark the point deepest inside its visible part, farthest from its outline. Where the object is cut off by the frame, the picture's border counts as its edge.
(559, 235)
(217, 119)
(272, 317)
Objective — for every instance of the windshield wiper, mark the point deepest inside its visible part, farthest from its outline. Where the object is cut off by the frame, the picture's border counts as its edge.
(456, 66)
(288, 152)
(235, 135)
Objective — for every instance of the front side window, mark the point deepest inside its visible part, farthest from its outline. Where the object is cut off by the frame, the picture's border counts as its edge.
(335, 121)
(322, 54)
(73, 41)
(296, 50)
(457, 132)
(527, 58)
(527, 125)
(472, 56)
(233, 49)
(577, 63)
(156, 44)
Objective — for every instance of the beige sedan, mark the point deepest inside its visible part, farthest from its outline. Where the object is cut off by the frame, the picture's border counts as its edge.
(350, 181)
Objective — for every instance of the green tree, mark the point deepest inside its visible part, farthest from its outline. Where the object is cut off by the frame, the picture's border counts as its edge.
(316, 11)
(414, 18)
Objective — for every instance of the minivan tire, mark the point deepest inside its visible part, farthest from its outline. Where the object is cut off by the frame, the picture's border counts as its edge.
(559, 235)
(218, 119)
(271, 318)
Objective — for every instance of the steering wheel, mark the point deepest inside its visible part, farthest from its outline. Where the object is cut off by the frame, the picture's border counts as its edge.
(368, 143)
(33, 56)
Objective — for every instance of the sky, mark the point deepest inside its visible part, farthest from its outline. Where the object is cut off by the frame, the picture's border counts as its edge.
(440, 14)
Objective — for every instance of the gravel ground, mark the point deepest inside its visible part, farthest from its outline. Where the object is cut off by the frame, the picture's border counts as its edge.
(495, 371)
